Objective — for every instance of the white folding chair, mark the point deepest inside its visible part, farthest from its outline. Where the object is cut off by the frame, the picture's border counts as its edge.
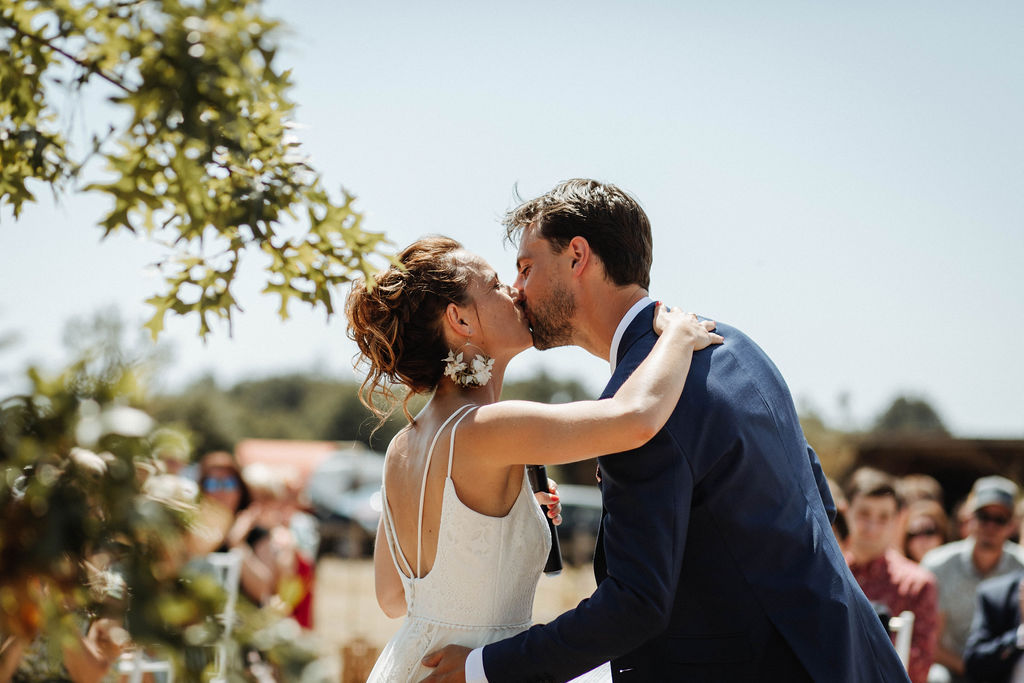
(135, 665)
(902, 628)
(228, 571)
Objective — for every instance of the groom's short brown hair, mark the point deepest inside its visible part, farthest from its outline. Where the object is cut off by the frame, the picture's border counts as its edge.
(609, 219)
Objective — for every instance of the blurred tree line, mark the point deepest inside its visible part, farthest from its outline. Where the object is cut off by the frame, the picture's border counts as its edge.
(907, 415)
(306, 406)
(310, 406)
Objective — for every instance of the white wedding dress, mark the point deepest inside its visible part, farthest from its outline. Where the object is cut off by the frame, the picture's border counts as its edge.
(482, 584)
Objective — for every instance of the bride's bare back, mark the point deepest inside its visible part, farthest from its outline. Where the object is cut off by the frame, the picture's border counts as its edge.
(480, 486)
(481, 578)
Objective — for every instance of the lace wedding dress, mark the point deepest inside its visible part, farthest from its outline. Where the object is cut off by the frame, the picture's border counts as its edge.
(482, 584)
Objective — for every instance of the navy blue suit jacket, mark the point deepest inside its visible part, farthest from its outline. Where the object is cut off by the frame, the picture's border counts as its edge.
(716, 560)
(991, 651)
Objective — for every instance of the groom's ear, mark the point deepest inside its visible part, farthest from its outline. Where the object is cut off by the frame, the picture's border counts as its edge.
(580, 254)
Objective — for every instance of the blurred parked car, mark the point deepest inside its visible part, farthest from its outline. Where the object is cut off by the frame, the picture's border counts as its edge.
(344, 492)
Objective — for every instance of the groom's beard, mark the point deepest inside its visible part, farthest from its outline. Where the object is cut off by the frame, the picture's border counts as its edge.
(550, 319)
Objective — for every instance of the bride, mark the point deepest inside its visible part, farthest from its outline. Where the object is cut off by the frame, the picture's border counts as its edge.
(462, 542)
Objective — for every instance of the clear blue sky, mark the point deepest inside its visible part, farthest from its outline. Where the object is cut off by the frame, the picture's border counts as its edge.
(843, 181)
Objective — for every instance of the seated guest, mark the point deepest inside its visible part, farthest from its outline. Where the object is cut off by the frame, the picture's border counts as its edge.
(960, 519)
(839, 527)
(262, 531)
(883, 573)
(927, 529)
(223, 495)
(305, 530)
(962, 565)
(1018, 515)
(996, 640)
(915, 487)
(88, 658)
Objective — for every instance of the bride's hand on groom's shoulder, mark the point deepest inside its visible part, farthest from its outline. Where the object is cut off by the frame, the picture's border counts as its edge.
(550, 502)
(448, 664)
(699, 332)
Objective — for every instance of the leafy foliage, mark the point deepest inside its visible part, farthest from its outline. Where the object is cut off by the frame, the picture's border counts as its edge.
(199, 156)
(92, 528)
(81, 495)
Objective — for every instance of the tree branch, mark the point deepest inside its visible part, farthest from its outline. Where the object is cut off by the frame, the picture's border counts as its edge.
(91, 68)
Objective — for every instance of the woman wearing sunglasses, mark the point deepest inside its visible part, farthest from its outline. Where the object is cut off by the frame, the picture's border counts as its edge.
(927, 528)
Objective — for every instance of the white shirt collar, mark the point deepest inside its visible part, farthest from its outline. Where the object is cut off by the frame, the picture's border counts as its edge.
(623, 324)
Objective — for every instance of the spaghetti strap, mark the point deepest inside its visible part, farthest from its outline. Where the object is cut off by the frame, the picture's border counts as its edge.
(391, 536)
(390, 532)
(423, 484)
(451, 440)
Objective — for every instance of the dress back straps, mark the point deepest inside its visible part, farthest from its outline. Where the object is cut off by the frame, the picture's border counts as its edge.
(460, 412)
(451, 440)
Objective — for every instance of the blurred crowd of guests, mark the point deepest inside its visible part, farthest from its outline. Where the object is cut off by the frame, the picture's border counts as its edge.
(960, 575)
(255, 513)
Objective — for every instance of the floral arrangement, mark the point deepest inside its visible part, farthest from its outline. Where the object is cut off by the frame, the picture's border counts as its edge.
(476, 373)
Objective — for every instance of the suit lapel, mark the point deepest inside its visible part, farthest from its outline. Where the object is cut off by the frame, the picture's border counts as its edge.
(636, 329)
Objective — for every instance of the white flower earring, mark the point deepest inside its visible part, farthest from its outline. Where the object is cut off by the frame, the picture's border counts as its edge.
(474, 373)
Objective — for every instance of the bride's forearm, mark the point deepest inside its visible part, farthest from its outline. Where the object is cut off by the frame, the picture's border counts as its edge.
(516, 432)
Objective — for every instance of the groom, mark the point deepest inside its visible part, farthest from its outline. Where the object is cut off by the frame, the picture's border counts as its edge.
(716, 559)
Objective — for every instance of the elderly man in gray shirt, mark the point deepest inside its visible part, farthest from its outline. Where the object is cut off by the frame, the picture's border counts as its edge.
(962, 565)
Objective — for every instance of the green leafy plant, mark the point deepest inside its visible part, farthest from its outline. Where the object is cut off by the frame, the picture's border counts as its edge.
(91, 525)
(199, 155)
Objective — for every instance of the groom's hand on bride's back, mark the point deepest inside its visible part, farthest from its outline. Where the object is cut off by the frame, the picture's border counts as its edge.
(448, 663)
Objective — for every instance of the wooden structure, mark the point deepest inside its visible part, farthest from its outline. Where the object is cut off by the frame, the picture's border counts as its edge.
(955, 463)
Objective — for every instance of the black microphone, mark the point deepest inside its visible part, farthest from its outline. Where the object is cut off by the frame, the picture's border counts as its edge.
(538, 475)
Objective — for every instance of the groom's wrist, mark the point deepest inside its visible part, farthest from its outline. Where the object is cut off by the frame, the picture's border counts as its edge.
(475, 667)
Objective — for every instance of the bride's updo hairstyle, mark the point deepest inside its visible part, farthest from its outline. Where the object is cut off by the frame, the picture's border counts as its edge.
(397, 321)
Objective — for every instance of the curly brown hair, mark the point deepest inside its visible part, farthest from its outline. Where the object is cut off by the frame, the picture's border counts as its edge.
(397, 321)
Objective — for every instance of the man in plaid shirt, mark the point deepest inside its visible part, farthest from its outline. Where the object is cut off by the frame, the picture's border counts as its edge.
(884, 574)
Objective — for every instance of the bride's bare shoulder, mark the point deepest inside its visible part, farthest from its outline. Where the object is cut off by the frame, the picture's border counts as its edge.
(399, 446)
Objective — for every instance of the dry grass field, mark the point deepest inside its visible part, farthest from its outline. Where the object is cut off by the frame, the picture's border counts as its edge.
(346, 608)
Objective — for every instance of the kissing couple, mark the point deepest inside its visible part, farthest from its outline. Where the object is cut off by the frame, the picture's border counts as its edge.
(715, 559)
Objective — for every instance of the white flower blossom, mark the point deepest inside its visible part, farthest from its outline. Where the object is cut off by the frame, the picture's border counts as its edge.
(477, 375)
(107, 584)
(127, 421)
(89, 461)
(173, 491)
(454, 366)
(481, 371)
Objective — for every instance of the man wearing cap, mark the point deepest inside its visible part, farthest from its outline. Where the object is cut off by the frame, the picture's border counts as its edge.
(962, 565)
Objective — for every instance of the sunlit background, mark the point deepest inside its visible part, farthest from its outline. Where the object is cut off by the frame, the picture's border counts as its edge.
(843, 182)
